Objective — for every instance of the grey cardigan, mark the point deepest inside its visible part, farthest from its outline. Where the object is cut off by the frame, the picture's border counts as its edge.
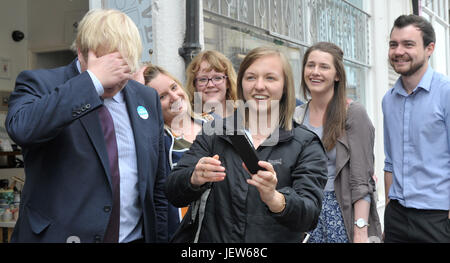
(354, 166)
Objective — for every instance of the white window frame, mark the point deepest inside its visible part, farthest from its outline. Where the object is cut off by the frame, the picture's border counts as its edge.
(431, 10)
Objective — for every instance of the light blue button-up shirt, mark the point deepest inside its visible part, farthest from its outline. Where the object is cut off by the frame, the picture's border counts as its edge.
(417, 142)
(130, 209)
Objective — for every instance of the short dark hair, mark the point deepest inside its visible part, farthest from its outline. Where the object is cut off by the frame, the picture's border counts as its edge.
(428, 34)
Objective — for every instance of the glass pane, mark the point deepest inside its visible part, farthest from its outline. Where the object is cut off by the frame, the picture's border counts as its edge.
(236, 26)
(235, 43)
(357, 3)
(355, 82)
(342, 24)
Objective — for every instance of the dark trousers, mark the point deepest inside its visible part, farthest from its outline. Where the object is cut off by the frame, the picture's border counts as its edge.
(410, 225)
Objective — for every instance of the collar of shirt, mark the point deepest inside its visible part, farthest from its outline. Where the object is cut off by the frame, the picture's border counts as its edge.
(118, 98)
(78, 66)
(425, 83)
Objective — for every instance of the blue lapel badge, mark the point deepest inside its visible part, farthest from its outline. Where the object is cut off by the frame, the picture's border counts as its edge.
(142, 111)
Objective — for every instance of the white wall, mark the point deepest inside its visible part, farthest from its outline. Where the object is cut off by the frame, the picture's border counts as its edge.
(381, 78)
(13, 16)
(169, 25)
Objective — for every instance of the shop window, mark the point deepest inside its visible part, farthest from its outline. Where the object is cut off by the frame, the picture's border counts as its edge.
(236, 26)
(235, 43)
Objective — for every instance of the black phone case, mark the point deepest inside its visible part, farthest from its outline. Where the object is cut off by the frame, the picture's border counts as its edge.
(246, 151)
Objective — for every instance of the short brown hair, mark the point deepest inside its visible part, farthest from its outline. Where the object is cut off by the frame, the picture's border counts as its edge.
(428, 34)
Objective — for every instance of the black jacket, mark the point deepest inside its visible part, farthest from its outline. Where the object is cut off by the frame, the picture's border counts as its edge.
(234, 211)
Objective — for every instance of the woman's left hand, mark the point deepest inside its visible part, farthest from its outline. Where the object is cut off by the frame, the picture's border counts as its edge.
(266, 182)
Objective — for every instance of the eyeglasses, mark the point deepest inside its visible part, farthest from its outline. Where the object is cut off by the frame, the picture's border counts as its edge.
(203, 81)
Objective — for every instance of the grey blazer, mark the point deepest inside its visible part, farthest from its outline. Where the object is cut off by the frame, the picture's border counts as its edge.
(354, 166)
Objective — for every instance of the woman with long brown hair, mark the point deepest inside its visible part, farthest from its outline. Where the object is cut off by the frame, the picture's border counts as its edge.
(349, 209)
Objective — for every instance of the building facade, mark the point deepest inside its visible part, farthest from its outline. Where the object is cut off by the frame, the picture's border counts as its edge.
(360, 27)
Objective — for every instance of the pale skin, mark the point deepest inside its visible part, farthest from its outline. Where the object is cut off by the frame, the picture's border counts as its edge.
(263, 81)
(170, 93)
(174, 107)
(111, 70)
(407, 51)
(320, 76)
(213, 95)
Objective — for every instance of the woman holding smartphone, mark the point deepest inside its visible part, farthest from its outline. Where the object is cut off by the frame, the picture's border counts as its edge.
(282, 200)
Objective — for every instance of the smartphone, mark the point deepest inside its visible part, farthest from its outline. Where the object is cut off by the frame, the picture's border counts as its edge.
(244, 148)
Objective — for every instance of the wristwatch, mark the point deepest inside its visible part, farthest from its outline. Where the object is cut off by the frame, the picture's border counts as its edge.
(360, 223)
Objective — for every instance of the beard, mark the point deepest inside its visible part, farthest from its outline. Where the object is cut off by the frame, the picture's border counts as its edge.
(413, 68)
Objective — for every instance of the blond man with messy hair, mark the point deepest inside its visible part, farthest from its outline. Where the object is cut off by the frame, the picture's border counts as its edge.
(111, 55)
(98, 32)
(92, 141)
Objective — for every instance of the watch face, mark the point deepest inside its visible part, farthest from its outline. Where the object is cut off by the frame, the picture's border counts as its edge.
(360, 223)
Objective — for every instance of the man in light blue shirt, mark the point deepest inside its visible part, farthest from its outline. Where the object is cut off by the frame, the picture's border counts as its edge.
(416, 138)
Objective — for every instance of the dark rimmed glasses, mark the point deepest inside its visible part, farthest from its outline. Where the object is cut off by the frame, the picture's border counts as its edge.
(203, 81)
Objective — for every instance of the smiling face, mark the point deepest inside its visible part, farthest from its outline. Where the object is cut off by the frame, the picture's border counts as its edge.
(214, 90)
(320, 74)
(263, 83)
(172, 96)
(407, 54)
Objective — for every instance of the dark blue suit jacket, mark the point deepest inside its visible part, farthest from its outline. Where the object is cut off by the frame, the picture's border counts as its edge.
(53, 117)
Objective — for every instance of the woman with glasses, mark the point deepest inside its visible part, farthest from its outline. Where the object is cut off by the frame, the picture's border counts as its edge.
(283, 198)
(211, 83)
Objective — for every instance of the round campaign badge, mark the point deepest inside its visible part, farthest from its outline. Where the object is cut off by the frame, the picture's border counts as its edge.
(142, 111)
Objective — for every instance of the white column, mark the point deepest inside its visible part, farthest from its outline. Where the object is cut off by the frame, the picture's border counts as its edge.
(380, 79)
(169, 26)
